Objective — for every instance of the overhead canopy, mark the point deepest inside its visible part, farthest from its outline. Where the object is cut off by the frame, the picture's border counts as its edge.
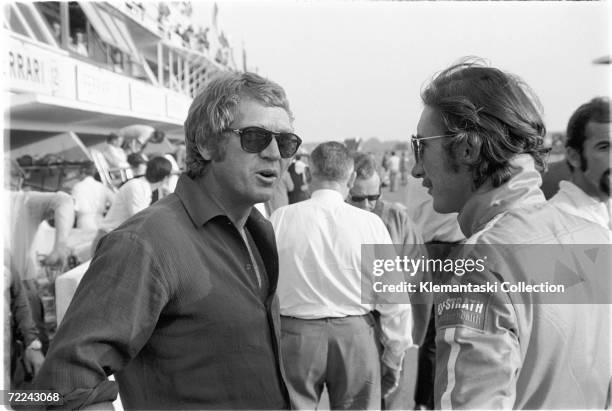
(49, 113)
(110, 28)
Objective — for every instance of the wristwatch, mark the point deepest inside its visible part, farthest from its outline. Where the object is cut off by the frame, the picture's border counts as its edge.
(35, 345)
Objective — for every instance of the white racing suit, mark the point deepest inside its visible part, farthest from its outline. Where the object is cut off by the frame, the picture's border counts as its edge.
(497, 351)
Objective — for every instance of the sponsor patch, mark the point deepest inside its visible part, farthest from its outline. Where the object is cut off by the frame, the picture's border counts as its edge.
(459, 310)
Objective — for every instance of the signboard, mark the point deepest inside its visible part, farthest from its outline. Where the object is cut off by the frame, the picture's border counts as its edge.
(30, 68)
(102, 87)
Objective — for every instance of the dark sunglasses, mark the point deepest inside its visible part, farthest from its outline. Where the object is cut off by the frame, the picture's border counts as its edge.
(359, 199)
(417, 146)
(256, 139)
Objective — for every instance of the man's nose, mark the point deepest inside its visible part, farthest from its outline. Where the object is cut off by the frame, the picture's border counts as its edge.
(272, 151)
(417, 170)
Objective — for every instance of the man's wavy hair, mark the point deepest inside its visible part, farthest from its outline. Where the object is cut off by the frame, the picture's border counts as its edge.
(214, 109)
(495, 112)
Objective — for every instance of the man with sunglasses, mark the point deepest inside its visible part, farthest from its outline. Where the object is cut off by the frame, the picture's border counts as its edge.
(477, 149)
(328, 328)
(179, 302)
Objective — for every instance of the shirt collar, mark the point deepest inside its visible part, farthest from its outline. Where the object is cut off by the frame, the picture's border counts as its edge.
(573, 200)
(201, 206)
(327, 195)
(522, 189)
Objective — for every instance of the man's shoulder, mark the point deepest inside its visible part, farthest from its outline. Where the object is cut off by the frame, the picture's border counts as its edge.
(164, 217)
(540, 223)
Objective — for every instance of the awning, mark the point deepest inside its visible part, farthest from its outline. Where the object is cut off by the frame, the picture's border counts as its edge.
(49, 113)
(110, 28)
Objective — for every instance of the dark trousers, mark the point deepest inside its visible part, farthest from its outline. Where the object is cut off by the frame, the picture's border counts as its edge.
(340, 353)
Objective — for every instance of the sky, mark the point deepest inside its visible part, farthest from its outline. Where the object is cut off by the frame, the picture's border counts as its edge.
(356, 68)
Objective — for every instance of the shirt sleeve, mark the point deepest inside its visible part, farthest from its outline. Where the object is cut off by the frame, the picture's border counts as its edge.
(395, 319)
(478, 356)
(111, 317)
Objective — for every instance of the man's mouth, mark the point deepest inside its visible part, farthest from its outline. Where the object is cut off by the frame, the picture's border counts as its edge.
(268, 175)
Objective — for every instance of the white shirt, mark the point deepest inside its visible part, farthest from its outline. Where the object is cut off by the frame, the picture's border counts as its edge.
(133, 196)
(90, 200)
(394, 163)
(319, 248)
(115, 156)
(572, 200)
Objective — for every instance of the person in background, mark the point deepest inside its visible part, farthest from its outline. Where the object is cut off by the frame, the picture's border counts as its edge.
(478, 146)
(328, 331)
(25, 211)
(404, 168)
(80, 43)
(298, 171)
(280, 198)
(366, 194)
(138, 165)
(137, 136)
(26, 355)
(179, 303)
(135, 194)
(394, 170)
(113, 153)
(91, 199)
(587, 194)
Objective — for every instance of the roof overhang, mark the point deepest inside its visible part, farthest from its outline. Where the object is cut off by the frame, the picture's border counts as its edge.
(50, 113)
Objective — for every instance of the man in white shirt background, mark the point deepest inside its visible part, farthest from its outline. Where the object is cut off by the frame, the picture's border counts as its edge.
(135, 194)
(328, 336)
(91, 199)
(589, 133)
(394, 170)
(113, 153)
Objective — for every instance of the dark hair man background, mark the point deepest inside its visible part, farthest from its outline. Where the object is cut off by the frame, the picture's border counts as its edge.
(588, 156)
(179, 302)
(478, 143)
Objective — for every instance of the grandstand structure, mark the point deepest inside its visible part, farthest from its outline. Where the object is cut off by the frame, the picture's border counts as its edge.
(76, 71)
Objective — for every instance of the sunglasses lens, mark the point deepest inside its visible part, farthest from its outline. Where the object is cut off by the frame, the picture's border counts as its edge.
(415, 147)
(255, 139)
(288, 144)
(359, 199)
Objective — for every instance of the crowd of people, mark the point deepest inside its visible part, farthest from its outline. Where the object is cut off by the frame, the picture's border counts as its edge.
(242, 288)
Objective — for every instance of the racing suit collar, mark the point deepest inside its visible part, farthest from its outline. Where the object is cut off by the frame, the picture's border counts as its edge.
(522, 189)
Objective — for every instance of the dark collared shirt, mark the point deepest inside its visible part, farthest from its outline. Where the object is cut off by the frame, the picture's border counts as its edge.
(171, 305)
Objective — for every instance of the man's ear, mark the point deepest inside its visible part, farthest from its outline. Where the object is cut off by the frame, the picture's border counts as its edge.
(204, 152)
(573, 157)
(351, 180)
(467, 153)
